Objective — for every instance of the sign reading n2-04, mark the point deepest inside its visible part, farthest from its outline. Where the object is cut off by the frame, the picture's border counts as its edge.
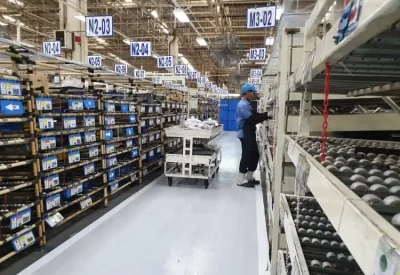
(181, 69)
(263, 17)
(99, 26)
(165, 62)
(258, 54)
(141, 48)
(94, 60)
(52, 47)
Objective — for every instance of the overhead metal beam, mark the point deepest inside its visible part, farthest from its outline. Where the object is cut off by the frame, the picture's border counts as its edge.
(389, 101)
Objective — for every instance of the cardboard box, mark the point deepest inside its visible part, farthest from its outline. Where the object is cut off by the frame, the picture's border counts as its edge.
(38, 82)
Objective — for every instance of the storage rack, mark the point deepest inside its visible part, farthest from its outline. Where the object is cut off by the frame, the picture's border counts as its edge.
(195, 160)
(67, 135)
(313, 244)
(361, 65)
(121, 133)
(152, 149)
(20, 192)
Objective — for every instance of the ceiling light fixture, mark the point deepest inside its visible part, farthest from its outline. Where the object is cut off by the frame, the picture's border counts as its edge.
(155, 55)
(101, 40)
(201, 41)
(80, 17)
(127, 41)
(154, 13)
(3, 23)
(269, 41)
(181, 15)
(16, 2)
(184, 60)
(279, 12)
(165, 30)
(9, 18)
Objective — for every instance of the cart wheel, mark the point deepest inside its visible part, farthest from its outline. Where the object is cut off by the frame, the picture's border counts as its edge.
(169, 181)
(206, 183)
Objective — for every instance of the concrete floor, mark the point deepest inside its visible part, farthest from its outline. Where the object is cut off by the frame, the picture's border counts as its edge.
(178, 230)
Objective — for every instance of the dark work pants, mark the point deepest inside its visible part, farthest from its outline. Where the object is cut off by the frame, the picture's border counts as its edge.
(249, 161)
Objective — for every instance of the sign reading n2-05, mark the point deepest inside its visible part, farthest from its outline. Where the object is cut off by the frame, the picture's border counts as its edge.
(141, 48)
(165, 62)
(258, 54)
(263, 17)
(94, 60)
(99, 26)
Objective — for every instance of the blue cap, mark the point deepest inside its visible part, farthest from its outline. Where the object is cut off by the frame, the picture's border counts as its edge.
(247, 87)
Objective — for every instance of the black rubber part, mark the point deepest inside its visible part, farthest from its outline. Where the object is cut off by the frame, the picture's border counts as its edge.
(206, 184)
(169, 181)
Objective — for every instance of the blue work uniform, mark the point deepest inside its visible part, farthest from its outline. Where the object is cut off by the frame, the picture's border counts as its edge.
(246, 120)
(243, 112)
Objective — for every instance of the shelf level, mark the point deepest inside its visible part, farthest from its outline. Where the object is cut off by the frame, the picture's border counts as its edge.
(360, 227)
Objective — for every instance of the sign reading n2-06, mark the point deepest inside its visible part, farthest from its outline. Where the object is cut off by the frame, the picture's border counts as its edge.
(263, 17)
(181, 69)
(165, 62)
(99, 26)
(121, 68)
(141, 48)
(258, 54)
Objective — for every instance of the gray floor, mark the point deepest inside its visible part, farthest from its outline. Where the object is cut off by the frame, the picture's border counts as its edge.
(178, 230)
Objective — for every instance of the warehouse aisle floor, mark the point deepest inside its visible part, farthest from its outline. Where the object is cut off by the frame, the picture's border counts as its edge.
(178, 230)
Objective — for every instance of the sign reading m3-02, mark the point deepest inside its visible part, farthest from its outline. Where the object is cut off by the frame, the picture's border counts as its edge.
(255, 73)
(99, 26)
(257, 54)
(52, 47)
(121, 68)
(165, 62)
(263, 17)
(140, 48)
(139, 73)
(94, 60)
(181, 69)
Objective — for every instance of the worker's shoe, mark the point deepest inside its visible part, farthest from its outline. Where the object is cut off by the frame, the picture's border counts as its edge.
(246, 184)
(243, 182)
(250, 178)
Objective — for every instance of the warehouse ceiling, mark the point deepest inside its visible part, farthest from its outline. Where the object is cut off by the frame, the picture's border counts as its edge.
(133, 21)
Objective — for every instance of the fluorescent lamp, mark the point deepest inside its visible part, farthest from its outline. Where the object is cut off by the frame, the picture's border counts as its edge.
(190, 67)
(165, 30)
(26, 44)
(184, 60)
(179, 54)
(279, 12)
(269, 41)
(9, 18)
(201, 41)
(154, 13)
(101, 40)
(181, 15)
(165, 25)
(22, 24)
(16, 2)
(111, 54)
(3, 23)
(155, 55)
(80, 17)
(127, 41)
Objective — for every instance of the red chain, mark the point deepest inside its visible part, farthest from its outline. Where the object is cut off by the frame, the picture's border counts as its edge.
(326, 111)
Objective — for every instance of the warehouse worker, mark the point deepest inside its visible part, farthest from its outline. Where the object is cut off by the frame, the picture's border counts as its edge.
(246, 121)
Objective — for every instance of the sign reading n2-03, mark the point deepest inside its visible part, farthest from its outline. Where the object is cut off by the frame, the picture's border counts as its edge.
(181, 69)
(94, 60)
(258, 54)
(99, 26)
(52, 47)
(139, 73)
(255, 73)
(121, 68)
(263, 17)
(141, 48)
(165, 62)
